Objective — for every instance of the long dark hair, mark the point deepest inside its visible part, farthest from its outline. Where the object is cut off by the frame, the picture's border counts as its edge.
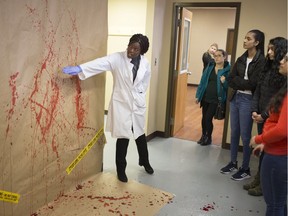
(260, 37)
(276, 101)
(276, 80)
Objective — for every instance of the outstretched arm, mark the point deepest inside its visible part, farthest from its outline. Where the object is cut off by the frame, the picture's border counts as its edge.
(72, 70)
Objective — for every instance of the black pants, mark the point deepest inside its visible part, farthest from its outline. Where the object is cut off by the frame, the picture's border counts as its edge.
(260, 130)
(208, 112)
(121, 152)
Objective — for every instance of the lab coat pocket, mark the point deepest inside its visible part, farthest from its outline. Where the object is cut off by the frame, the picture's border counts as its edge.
(140, 102)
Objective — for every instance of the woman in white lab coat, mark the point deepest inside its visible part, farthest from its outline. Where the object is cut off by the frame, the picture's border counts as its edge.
(126, 113)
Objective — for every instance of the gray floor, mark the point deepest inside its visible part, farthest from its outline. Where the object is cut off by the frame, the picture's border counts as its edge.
(191, 173)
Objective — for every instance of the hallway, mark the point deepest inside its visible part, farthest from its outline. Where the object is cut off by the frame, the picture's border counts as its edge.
(191, 173)
(192, 122)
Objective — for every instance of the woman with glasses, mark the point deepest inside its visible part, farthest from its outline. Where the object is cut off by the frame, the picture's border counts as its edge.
(213, 85)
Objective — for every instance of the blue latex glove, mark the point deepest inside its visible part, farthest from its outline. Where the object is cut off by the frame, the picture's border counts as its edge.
(72, 70)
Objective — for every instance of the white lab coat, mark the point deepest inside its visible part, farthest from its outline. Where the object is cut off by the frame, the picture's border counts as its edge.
(127, 106)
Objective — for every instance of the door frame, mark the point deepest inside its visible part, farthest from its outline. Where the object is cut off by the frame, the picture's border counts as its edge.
(173, 45)
(180, 73)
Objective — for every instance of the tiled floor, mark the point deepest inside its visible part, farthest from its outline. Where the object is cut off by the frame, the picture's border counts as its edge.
(191, 172)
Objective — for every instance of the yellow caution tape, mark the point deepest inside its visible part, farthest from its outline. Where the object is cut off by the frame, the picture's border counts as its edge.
(84, 151)
(9, 196)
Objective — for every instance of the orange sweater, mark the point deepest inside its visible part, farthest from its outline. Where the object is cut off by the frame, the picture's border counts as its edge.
(274, 135)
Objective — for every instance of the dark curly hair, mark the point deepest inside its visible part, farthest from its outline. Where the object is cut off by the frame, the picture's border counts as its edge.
(142, 40)
(272, 66)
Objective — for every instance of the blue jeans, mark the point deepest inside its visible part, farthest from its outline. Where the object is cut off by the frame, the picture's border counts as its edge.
(274, 184)
(241, 125)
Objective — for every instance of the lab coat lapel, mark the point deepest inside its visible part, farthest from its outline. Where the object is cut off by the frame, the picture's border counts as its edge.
(128, 72)
(140, 73)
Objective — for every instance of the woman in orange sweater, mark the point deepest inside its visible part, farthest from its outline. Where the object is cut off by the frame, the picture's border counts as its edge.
(273, 141)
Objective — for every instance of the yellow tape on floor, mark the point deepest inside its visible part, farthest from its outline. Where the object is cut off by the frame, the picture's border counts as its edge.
(84, 151)
(9, 196)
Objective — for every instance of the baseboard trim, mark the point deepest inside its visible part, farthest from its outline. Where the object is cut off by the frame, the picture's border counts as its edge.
(155, 134)
(191, 84)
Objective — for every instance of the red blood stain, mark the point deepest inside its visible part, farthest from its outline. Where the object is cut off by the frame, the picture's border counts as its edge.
(54, 146)
(45, 115)
(106, 204)
(79, 106)
(208, 207)
(12, 84)
(79, 187)
(30, 9)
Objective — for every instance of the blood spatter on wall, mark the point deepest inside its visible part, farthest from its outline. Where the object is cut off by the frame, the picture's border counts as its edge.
(47, 117)
(14, 97)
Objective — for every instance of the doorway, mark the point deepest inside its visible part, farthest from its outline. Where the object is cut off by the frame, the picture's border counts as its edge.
(172, 88)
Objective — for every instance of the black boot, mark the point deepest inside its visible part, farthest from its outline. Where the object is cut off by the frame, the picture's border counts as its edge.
(121, 152)
(200, 141)
(143, 153)
(206, 141)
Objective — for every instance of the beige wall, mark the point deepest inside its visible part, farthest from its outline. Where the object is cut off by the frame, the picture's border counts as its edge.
(156, 61)
(208, 26)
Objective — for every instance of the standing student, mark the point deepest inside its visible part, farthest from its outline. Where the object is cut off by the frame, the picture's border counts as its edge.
(208, 56)
(126, 113)
(273, 141)
(270, 81)
(243, 80)
(213, 85)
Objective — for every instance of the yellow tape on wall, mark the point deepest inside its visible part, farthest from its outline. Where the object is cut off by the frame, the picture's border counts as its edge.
(9, 196)
(84, 151)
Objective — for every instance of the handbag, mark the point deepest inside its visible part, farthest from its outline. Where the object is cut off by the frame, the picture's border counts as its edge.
(221, 108)
(220, 111)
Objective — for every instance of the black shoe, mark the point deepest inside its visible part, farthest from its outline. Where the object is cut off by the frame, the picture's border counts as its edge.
(147, 167)
(200, 141)
(122, 177)
(207, 141)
